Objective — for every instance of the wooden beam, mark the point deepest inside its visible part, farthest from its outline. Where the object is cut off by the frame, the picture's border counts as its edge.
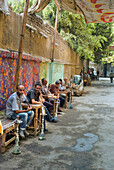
(53, 52)
(57, 4)
(1, 27)
(21, 43)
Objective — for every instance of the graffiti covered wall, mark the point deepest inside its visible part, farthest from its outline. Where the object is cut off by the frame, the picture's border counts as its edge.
(29, 74)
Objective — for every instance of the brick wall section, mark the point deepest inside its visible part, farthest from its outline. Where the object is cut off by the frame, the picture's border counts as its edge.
(38, 41)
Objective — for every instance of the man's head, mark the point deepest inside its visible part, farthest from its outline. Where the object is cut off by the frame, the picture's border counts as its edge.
(65, 79)
(44, 81)
(37, 87)
(57, 83)
(20, 90)
(60, 81)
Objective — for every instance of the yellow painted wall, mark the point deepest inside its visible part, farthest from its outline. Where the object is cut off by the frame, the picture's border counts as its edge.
(38, 42)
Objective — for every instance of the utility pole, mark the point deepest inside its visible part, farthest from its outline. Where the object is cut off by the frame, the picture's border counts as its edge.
(55, 33)
(21, 43)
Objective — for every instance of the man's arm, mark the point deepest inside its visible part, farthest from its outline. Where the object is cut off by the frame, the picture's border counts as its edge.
(32, 98)
(57, 92)
(16, 108)
(23, 111)
(35, 102)
(41, 99)
(44, 95)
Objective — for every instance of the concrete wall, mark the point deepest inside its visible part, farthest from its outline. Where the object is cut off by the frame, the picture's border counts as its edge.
(38, 41)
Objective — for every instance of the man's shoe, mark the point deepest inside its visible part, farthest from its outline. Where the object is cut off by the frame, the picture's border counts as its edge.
(26, 133)
(59, 110)
(55, 120)
(52, 120)
(45, 130)
(21, 134)
(59, 113)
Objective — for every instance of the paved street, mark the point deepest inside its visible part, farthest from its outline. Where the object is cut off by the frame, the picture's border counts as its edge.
(83, 139)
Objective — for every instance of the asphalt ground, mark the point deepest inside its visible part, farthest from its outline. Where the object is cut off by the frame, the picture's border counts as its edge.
(82, 139)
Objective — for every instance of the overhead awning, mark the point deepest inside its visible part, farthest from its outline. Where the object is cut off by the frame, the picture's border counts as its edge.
(68, 5)
(97, 11)
(4, 7)
(94, 11)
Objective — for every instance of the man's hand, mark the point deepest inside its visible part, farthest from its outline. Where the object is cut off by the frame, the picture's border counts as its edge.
(42, 100)
(29, 108)
(22, 104)
(40, 103)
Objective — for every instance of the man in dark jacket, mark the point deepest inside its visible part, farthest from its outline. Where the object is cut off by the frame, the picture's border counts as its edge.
(34, 96)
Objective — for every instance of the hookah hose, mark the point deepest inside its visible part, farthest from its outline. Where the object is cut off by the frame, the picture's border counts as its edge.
(43, 118)
(71, 96)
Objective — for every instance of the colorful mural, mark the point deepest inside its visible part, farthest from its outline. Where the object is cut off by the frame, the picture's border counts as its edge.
(32, 69)
(97, 11)
(29, 74)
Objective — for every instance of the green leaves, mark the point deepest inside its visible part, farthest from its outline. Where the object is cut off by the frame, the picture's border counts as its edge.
(90, 41)
(18, 5)
(106, 36)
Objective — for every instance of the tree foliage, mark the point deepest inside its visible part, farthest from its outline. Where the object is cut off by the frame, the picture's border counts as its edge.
(18, 5)
(104, 30)
(90, 41)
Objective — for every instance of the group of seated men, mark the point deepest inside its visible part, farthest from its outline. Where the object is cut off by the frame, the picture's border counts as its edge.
(37, 95)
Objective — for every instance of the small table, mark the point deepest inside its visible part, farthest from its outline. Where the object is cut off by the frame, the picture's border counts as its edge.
(35, 127)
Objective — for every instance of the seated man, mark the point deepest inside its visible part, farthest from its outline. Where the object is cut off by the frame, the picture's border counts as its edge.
(45, 92)
(34, 96)
(55, 90)
(44, 89)
(14, 108)
(61, 88)
(66, 85)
